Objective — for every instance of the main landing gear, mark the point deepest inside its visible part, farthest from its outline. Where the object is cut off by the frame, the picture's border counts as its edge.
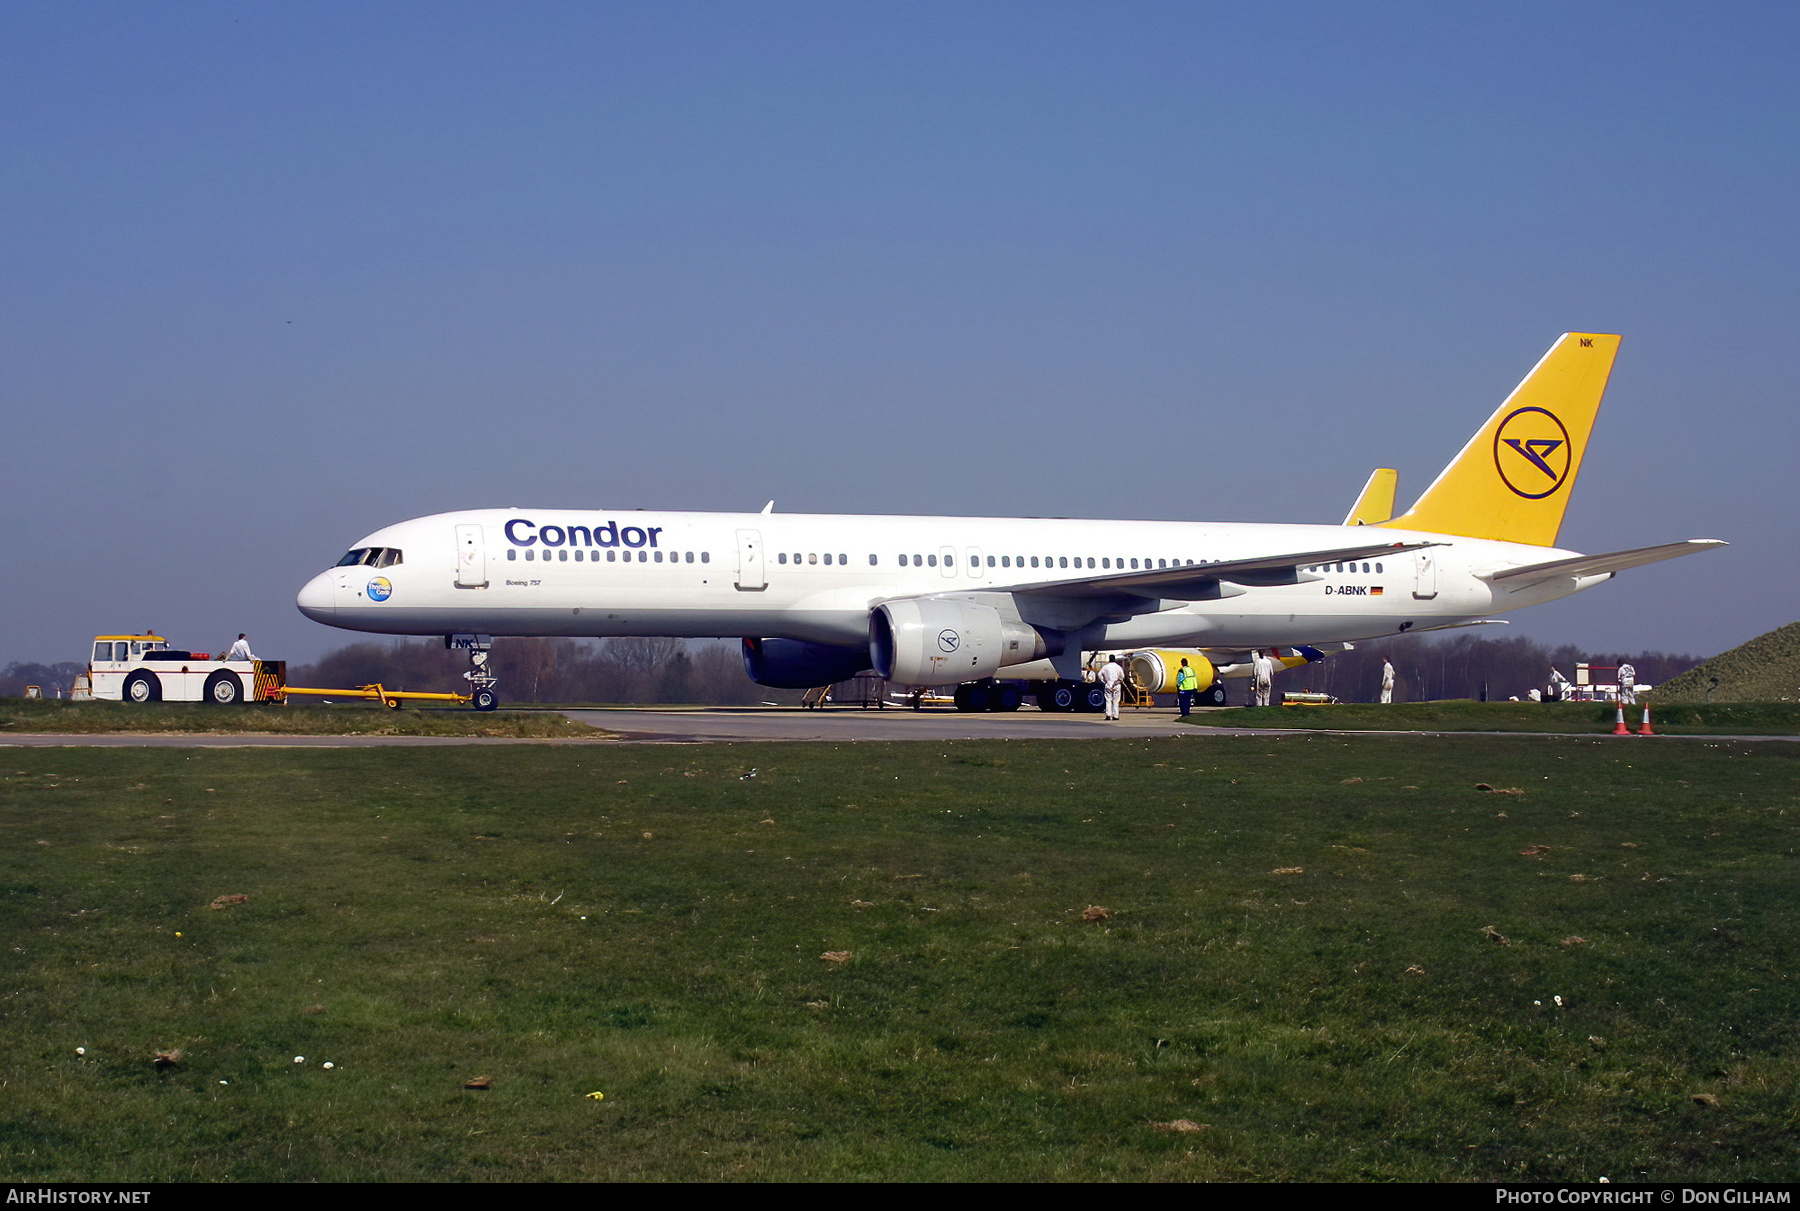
(1068, 695)
(988, 696)
(483, 695)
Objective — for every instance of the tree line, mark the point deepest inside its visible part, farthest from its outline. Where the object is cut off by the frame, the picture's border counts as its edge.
(712, 674)
(555, 670)
(1428, 667)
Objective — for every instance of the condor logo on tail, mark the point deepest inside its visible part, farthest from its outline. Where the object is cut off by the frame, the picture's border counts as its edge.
(1532, 452)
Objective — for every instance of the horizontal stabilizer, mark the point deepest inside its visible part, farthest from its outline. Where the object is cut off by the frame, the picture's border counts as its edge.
(1200, 581)
(1599, 565)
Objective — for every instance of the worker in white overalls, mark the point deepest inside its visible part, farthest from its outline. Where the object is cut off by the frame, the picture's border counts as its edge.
(1264, 669)
(1627, 685)
(240, 650)
(1387, 681)
(1112, 680)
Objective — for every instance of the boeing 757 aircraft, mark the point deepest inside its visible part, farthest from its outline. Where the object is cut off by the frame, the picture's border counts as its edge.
(952, 600)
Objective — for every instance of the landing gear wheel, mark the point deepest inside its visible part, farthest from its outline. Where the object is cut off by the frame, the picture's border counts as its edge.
(223, 689)
(1007, 698)
(1212, 695)
(143, 687)
(486, 698)
(1093, 698)
(973, 698)
(1064, 696)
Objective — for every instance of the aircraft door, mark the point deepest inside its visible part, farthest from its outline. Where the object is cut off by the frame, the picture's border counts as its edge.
(471, 558)
(1425, 570)
(947, 560)
(975, 570)
(750, 561)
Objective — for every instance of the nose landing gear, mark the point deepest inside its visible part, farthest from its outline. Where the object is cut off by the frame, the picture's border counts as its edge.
(482, 682)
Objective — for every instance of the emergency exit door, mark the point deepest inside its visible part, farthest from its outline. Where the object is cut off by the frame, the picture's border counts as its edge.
(750, 561)
(1425, 573)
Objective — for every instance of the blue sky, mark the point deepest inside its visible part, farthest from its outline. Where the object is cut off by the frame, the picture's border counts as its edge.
(272, 276)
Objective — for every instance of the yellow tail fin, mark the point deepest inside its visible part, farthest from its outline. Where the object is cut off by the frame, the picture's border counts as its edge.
(1376, 504)
(1512, 480)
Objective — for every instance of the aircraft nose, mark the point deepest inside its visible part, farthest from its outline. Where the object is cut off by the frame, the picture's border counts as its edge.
(317, 600)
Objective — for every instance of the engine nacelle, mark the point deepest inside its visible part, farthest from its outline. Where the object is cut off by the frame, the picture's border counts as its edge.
(794, 664)
(1156, 670)
(935, 641)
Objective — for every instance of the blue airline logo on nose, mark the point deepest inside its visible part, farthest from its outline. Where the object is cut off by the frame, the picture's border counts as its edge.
(380, 589)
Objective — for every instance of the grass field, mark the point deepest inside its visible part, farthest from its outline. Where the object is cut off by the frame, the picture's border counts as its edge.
(1334, 957)
(63, 716)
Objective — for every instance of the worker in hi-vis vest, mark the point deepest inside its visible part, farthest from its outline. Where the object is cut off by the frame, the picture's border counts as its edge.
(1186, 682)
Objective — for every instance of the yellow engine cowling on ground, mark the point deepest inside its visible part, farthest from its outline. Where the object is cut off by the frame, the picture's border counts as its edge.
(1156, 669)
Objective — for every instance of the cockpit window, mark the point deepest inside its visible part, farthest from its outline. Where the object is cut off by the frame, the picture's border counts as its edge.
(374, 557)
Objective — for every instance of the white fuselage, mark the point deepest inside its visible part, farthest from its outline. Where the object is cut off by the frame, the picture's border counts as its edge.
(558, 572)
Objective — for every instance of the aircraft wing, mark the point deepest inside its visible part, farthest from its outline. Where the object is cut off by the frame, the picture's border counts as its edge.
(1201, 581)
(1598, 565)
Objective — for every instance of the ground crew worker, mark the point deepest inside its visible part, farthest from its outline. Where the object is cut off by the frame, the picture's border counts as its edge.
(1627, 684)
(1264, 669)
(1112, 680)
(240, 650)
(1387, 681)
(1186, 683)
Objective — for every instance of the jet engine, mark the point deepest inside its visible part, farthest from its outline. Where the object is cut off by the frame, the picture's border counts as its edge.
(794, 664)
(1156, 670)
(938, 641)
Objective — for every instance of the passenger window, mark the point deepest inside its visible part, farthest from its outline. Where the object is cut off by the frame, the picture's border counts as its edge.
(871, 561)
(949, 561)
(528, 556)
(690, 557)
(706, 557)
(1034, 562)
(781, 558)
(659, 557)
(932, 560)
(1006, 561)
(990, 561)
(563, 556)
(612, 556)
(842, 559)
(812, 559)
(1378, 569)
(512, 552)
(644, 557)
(918, 560)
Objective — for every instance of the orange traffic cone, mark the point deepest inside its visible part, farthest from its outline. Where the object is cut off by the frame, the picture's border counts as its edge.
(1645, 730)
(1619, 728)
